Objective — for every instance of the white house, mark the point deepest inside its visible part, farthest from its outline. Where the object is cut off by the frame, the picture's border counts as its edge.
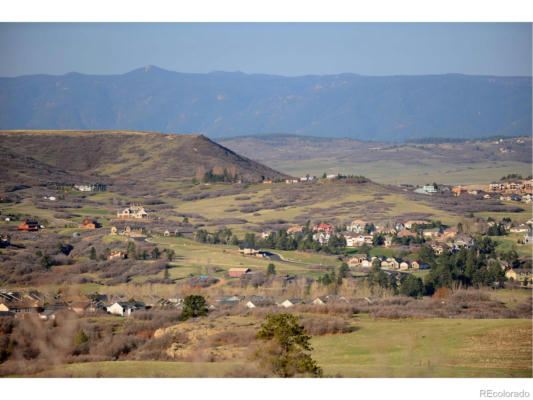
(357, 226)
(290, 302)
(322, 237)
(318, 302)
(125, 308)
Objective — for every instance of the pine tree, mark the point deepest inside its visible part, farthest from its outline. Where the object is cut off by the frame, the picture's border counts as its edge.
(271, 269)
(81, 337)
(287, 347)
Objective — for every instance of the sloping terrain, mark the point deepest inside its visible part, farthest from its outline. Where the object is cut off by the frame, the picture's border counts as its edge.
(120, 155)
(222, 104)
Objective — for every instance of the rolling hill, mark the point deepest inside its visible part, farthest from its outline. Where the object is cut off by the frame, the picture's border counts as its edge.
(31, 157)
(221, 104)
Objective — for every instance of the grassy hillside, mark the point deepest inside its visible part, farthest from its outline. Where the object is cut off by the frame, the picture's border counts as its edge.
(128, 156)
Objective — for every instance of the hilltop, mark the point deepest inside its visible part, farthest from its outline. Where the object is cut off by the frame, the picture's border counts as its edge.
(219, 104)
(123, 156)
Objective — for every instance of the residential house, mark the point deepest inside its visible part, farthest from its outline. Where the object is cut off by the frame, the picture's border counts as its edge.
(295, 230)
(519, 275)
(357, 226)
(520, 228)
(125, 308)
(438, 247)
(132, 212)
(291, 302)
(330, 298)
(458, 191)
(324, 228)
(81, 306)
(431, 233)
(228, 300)
(5, 240)
(291, 180)
(409, 224)
(248, 249)
(428, 189)
(258, 301)
(319, 301)
(356, 260)
(88, 224)
(238, 272)
(390, 263)
(405, 232)
(449, 233)
(83, 187)
(322, 237)
(117, 254)
(398, 226)
(93, 187)
(462, 242)
(495, 187)
(414, 265)
(404, 265)
(29, 225)
(366, 263)
(528, 238)
(266, 234)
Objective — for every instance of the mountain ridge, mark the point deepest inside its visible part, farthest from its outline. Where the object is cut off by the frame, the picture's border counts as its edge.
(222, 104)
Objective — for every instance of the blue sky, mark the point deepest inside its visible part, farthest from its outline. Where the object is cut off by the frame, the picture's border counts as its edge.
(274, 48)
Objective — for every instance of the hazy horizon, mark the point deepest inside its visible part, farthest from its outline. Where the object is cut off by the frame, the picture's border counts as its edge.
(284, 49)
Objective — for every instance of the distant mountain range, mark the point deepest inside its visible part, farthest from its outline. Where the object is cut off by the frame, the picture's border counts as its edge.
(222, 104)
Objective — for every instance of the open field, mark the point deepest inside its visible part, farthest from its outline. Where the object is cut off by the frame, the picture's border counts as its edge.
(476, 161)
(429, 348)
